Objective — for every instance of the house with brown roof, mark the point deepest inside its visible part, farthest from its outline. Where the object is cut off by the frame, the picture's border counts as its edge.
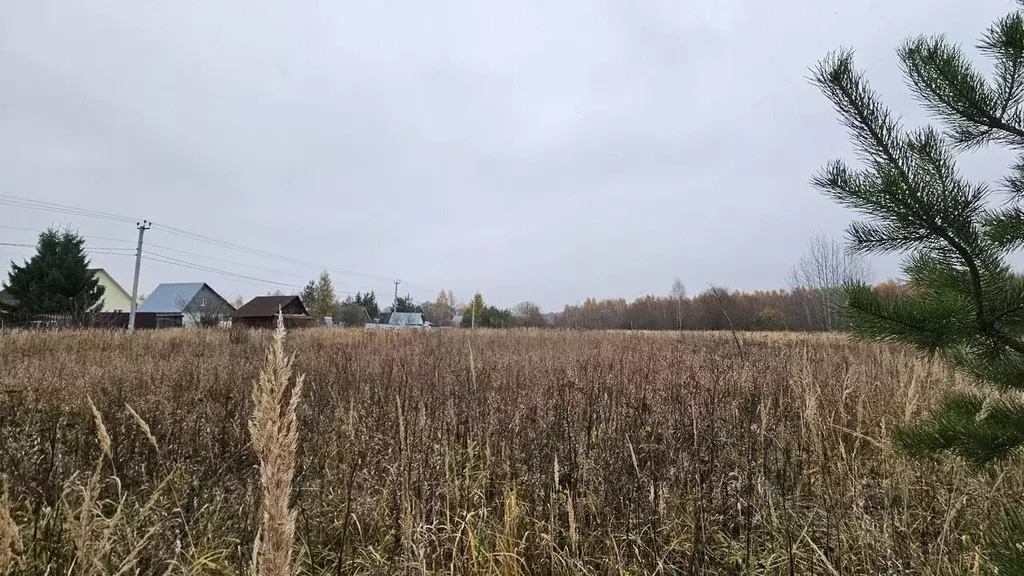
(262, 311)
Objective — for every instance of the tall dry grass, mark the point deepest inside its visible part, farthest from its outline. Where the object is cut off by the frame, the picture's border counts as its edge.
(10, 538)
(490, 453)
(275, 437)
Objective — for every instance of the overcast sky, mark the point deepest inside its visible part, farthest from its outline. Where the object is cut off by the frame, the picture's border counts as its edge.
(529, 149)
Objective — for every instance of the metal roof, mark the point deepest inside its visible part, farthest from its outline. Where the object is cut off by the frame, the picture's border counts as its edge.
(170, 298)
(406, 319)
(266, 306)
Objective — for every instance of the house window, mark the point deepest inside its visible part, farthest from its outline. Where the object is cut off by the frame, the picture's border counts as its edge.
(202, 302)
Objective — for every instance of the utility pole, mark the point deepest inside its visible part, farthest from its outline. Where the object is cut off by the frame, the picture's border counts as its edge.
(135, 283)
(394, 306)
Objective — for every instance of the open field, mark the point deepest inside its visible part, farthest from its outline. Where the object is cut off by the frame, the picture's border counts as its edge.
(509, 452)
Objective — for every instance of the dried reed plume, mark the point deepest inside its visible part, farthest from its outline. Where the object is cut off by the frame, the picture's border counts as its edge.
(275, 438)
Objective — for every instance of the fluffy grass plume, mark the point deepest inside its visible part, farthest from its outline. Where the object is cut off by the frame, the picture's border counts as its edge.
(275, 437)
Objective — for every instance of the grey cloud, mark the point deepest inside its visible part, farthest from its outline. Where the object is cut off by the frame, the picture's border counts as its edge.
(530, 150)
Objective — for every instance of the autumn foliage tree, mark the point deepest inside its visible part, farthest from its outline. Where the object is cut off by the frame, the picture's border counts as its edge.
(441, 311)
(758, 310)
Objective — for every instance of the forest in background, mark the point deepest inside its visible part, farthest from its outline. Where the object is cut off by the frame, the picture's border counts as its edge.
(801, 309)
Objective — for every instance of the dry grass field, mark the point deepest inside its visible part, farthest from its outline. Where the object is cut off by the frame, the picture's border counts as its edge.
(512, 452)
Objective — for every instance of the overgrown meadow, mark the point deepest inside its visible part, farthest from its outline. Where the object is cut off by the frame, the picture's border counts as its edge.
(487, 452)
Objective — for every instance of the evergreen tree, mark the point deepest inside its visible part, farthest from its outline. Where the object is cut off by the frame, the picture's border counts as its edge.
(965, 304)
(369, 303)
(56, 280)
(406, 304)
(324, 299)
(308, 295)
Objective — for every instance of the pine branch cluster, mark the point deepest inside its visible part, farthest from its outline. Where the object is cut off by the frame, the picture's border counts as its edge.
(965, 303)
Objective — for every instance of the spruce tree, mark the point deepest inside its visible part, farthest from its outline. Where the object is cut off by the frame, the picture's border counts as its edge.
(56, 280)
(965, 304)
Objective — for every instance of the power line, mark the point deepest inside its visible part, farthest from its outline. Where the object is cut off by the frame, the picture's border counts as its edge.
(15, 201)
(87, 237)
(233, 275)
(89, 249)
(8, 200)
(6, 227)
(259, 252)
(196, 255)
(92, 249)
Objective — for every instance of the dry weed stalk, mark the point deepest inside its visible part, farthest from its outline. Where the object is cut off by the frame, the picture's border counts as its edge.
(92, 530)
(10, 538)
(97, 535)
(509, 562)
(275, 437)
(143, 426)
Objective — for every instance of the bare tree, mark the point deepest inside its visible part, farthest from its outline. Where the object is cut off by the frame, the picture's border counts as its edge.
(824, 269)
(441, 311)
(528, 315)
(723, 299)
(678, 295)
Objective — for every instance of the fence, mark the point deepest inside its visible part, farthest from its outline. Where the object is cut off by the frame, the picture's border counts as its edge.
(98, 320)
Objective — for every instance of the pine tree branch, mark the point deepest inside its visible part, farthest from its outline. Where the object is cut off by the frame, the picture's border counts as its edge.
(967, 304)
(921, 320)
(1004, 41)
(1006, 228)
(1007, 341)
(1014, 182)
(947, 84)
(852, 97)
(1002, 540)
(980, 430)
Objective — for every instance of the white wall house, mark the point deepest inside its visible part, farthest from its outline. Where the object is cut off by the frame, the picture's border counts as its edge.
(115, 299)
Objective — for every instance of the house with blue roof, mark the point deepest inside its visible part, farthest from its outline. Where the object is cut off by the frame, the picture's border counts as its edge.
(187, 304)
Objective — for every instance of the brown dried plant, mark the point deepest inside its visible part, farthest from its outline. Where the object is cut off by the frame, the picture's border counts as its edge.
(10, 538)
(274, 431)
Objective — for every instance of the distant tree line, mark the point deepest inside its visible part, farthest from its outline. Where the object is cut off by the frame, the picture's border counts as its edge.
(814, 302)
(714, 309)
